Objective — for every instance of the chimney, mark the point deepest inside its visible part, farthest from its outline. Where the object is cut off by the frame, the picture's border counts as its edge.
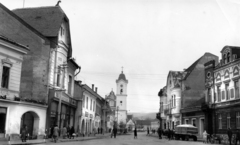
(79, 82)
(96, 89)
(93, 87)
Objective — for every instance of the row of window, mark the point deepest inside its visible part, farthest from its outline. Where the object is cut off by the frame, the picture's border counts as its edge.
(171, 104)
(61, 81)
(220, 121)
(92, 104)
(227, 94)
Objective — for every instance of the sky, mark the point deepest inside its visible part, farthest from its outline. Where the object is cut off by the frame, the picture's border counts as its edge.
(148, 38)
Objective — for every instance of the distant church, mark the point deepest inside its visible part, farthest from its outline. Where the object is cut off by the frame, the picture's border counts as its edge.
(121, 98)
(118, 102)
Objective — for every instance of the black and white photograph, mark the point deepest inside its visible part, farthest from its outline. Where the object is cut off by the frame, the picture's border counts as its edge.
(119, 72)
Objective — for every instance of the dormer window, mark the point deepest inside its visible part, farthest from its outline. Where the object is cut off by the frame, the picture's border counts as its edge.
(62, 31)
(224, 59)
(228, 57)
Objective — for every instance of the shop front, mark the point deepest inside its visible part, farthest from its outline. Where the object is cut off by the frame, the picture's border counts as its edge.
(14, 115)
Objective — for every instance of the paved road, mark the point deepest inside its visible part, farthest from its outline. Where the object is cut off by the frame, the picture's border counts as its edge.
(129, 140)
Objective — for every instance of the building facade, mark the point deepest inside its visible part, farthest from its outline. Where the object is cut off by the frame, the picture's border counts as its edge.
(11, 56)
(222, 92)
(32, 69)
(53, 23)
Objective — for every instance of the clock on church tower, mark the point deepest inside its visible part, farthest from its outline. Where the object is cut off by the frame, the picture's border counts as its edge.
(121, 95)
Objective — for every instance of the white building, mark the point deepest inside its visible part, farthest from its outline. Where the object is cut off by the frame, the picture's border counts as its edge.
(121, 103)
(13, 112)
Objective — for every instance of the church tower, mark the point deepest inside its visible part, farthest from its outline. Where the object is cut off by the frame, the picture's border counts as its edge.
(121, 95)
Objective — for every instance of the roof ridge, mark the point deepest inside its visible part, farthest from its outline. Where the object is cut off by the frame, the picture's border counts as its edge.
(42, 7)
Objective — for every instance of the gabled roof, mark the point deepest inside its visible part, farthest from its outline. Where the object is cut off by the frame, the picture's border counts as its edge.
(23, 22)
(47, 20)
(227, 46)
(92, 91)
(190, 68)
(197, 103)
(13, 42)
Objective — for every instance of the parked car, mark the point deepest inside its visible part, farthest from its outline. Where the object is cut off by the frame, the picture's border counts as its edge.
(185, 132)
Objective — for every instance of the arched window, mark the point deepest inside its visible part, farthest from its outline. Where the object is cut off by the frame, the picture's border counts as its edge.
(121, 91)
(224, 59)
(228, 57)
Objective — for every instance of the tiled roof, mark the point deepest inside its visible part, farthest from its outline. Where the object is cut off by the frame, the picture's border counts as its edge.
(13, 42)
(122, 77)
(197, 103)
(46, 20)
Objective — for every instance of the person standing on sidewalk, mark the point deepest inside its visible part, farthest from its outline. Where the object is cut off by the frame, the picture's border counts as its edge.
(159, 133)
(135, 133)
(64, 132)
(24, 133)
(72, 132)
(237, 137)
(169, 134)
(115, 132)
(205, 136)
(55, 133)
(229, 132)
(147, 131)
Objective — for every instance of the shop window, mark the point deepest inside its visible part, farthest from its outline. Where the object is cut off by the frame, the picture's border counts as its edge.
(236, 86)
(228, 120)
(5, 77)
(220, 121)
(186, 121)
(238, 120)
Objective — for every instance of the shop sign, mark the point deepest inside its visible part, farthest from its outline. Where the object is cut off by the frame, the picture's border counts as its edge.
(86, 114)
(62, 96)
(53, 114)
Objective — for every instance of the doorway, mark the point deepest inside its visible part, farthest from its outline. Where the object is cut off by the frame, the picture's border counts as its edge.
(3, 114)
(31, 120)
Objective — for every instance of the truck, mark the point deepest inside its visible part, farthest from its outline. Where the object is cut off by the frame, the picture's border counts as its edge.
(185, 132)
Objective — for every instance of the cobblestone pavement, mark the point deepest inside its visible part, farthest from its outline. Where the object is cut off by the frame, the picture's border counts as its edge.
(129, 140)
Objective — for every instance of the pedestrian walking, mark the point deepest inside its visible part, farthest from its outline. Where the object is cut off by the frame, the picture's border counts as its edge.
(237, 137)
(114, 132)
(72, 132)
(55, 133)
(147, 131)
(135, 133)
(24, 133)
(205, 136)
(169, 134)
(229, 132)
(64, 132)
(68, 132)
(159, 133)
(111, 132)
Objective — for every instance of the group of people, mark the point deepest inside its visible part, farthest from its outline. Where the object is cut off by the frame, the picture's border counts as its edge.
(67, 132)
(207, 137)
(113, 132)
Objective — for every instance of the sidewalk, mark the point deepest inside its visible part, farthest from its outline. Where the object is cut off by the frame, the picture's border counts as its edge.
(40, 141)
(165, 137)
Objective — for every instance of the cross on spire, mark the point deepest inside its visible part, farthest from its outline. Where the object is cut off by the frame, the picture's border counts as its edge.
(122, 69)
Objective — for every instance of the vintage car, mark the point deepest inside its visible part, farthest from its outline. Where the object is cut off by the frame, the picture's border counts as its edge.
(185, 132)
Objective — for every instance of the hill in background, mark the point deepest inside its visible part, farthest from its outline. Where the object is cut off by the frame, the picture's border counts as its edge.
(144, 116)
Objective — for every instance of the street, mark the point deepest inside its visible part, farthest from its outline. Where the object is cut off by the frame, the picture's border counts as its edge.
(129, 140)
